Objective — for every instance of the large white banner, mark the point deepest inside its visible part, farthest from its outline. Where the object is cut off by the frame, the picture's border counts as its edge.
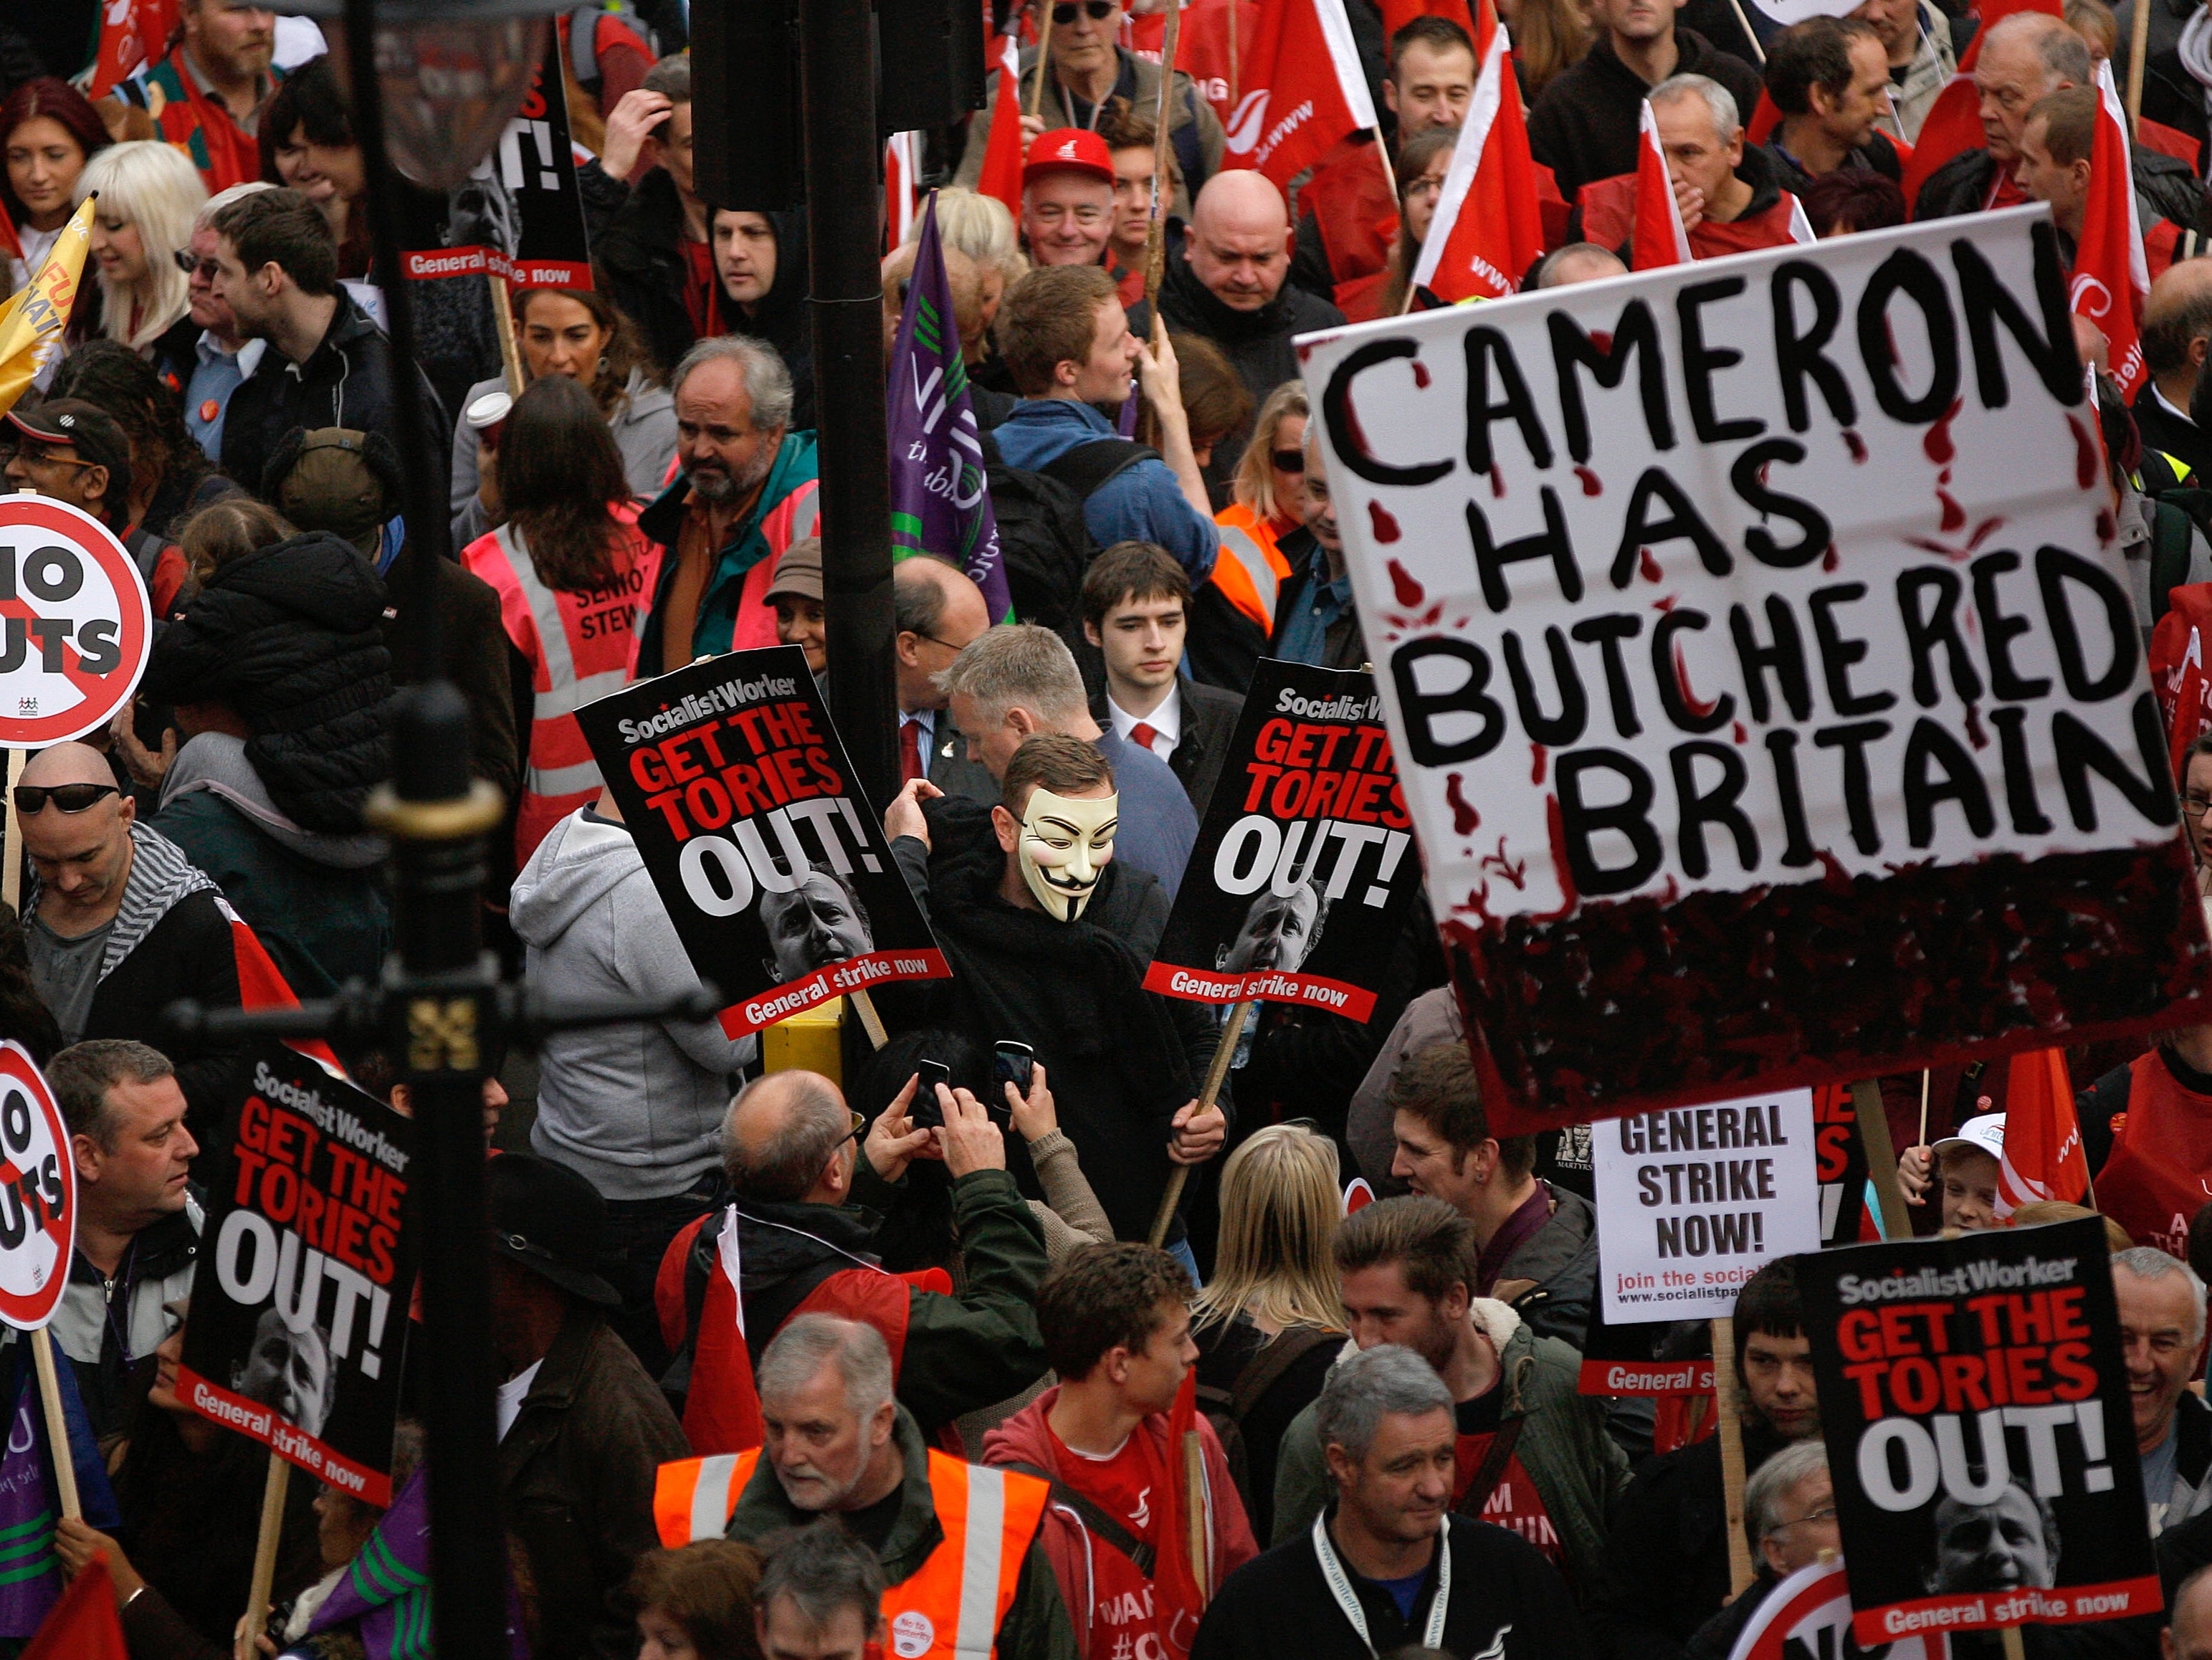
(1758, 651)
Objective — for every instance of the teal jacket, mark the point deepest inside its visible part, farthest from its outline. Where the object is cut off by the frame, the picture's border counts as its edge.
(763, 533)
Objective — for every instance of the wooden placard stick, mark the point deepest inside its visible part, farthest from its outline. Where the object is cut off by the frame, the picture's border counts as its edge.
(503, 322)
(870, 1022)
(1731, 1434)
(2138, 50)
(1044, 57)
(1923, 1107)
(1881, 1158)
(1193, 1510)
(57, 1441)
(264, 1546)
(11, 874)
(1215, 1075)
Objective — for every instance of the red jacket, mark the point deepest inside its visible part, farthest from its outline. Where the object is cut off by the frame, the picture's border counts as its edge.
(1025, 1438)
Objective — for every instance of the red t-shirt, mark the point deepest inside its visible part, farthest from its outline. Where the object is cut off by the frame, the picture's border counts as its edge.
(1514, 1502)
(1130, 1487)
(703, 292)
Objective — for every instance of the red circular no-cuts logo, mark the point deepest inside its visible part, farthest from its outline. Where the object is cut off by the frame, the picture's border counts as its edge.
(74, 622)
(37, 1194)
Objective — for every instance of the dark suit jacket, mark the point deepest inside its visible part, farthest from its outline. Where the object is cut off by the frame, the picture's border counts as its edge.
(947, 766)
(1209, 720)
(2185, 441)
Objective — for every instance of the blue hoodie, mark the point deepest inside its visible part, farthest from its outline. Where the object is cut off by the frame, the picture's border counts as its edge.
(1140, 503)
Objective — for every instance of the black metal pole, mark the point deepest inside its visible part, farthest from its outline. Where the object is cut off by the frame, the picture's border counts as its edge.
(435, 814)
(844, 198)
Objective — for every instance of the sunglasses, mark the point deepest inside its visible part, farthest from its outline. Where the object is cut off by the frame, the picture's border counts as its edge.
(1288, 461)
(31, 798)
(1098, 10)
(192, 267)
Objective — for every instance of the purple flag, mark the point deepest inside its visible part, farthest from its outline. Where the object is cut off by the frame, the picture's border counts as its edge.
(940, 502)
(30, 1572)
(384, 1597)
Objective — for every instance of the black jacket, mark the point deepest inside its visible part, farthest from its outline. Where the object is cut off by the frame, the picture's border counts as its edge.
(1877, 155)
(2164, 188)
(2185, 441)
(291, 638)
(642, 251)
(1715, 1639)
(1585, 125)
(473, 642)
(1257, 343)
(2172, 96)
(347, 382)
(1667, 1557)
(1507, 1601)
(1122, 1060)
(781, 316)
(1209, 720)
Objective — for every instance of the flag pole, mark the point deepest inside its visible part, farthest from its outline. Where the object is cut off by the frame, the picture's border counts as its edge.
(1216, 1075)
(1233, 65)
(1193, 1510)
(11, 874)
(265, 1547)
(1155, 241)
(50, 1399)
(2138, 49)
(1749, 33)
(1924, 1109)
(503, 319)
(1044, 57)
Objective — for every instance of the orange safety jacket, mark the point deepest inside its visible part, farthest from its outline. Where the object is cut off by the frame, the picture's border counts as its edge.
(580, 645)
(951, 1607)
(1251, 569)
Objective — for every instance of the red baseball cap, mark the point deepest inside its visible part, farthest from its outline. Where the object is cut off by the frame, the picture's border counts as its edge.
(1072, 150)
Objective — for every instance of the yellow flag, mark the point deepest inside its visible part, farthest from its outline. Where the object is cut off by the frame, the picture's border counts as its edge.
(31, 324)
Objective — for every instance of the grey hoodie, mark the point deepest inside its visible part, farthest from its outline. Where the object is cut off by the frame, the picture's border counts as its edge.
(634, 1108)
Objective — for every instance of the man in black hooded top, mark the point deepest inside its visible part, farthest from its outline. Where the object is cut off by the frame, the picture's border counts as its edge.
(1048, 937)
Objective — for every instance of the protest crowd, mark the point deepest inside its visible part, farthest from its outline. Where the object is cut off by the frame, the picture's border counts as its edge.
(1075, 1240)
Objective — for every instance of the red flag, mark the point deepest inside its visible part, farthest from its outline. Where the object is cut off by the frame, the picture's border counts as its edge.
(1303, 88)
(1659, 238)
(2178, 650)
(1202, 49)
(1953, 121)
(1180, 1591)
(262, 985)
(1487, 228)
(1765, 117)
(132, 34)
(1396, 14)
(2042, 1156)
(1002, 157)
(2111, 281)
(902, 186)
(83, 1624)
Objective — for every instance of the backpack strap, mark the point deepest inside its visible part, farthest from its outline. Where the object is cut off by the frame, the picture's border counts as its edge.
(1095, 1520)
(1267, 1366)
(1087, 466)
(1492, 1470)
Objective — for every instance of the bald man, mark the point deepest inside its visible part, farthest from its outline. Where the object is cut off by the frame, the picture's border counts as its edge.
(938, 609)
(1227, 283)
(2177, 326)
(119, 924)
(2025, 57)
(810, 1192)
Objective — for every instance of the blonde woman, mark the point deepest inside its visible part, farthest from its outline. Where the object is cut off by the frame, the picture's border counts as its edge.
(981, 227)
(148, 193)
(1270, 1322)
(1263, 536)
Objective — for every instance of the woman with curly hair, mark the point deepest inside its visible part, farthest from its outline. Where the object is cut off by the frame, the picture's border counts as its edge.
(171, 477)
(577, 334)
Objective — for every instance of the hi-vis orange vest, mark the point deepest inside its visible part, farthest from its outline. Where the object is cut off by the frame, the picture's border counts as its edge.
(950, 1608)
(581, 646)
(1250, 571)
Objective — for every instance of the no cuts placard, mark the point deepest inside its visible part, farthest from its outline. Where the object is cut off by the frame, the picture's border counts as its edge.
(1974, 1402)
(772, 863)
(37, 1194)
(1771, 712)
(1690, 1202)
(74, 622)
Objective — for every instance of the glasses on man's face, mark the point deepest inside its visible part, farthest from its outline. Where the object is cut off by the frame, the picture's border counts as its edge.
(1826, 1513)
(1288, 461)
(204, 269)
(2195, 806)
(859, 1123)
(33, 454)
(31, 798)
(1097, 10)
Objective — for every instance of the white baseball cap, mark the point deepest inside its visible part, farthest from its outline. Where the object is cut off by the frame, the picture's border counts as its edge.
(1983, 1134)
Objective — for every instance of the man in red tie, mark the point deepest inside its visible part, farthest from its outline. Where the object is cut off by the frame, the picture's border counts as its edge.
(937, 610)
(1136, 607)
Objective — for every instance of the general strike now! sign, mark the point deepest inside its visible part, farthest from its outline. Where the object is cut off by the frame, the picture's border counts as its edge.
(1692, 1202)
(1974, 1400)
(772, 863)
(1760, 669)
(299, 1303)
(1301, 870)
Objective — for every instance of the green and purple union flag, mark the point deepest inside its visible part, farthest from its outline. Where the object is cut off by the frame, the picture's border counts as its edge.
(940, 502)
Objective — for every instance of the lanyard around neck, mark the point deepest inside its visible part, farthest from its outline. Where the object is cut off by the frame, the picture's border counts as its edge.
(1339, 1585)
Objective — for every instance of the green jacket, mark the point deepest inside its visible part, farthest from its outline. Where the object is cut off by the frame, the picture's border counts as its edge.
(784, 511)
(1577, 1468)
(1035, 1627)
